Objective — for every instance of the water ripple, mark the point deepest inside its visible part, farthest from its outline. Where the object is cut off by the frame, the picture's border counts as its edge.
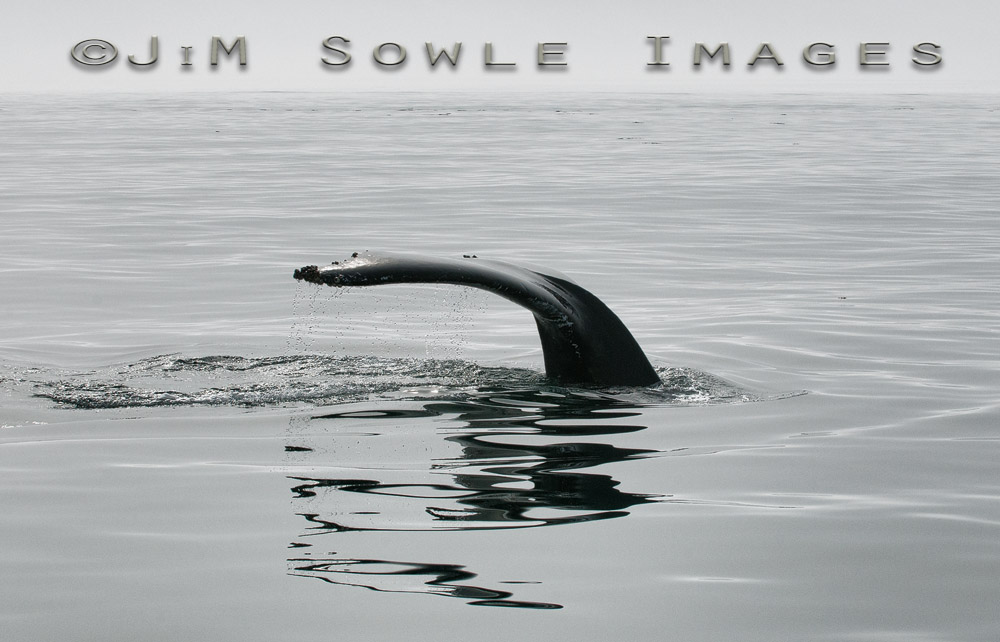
(220, 380)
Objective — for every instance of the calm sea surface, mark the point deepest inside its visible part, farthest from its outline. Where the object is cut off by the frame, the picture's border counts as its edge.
(195, 446)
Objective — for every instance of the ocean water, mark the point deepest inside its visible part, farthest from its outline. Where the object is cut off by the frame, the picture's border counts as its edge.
(195, 446)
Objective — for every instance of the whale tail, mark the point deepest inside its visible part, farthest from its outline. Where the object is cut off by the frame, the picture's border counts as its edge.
(583, 341)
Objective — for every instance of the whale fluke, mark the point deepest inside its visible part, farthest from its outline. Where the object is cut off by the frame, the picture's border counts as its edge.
(583, 342)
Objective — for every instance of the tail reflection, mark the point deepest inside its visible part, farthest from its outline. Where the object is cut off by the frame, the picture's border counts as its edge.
(406, 577)
(516, 469)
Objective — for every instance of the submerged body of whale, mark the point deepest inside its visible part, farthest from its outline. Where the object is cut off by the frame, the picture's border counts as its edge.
(583, 342)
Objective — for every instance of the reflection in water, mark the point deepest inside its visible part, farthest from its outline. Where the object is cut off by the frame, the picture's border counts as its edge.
(407, 577)
(516, 469)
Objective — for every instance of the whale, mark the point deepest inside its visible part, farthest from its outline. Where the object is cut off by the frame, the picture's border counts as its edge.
(583, 341)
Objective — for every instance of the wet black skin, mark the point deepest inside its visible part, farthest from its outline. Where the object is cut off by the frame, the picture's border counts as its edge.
(583, 342)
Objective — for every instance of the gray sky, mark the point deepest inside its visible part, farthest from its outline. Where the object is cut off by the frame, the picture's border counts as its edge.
(607, 46)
